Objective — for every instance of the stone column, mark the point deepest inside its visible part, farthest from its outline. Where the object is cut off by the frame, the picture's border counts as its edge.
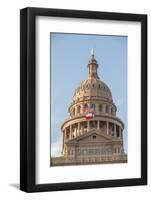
(98, 125)
(63, 142)
(109, 109)
(88, 125)
(75, 132)
(121, 136)
(82, 131)
(115, 134)
(78, 128)
(70, 131)
(119, 129)
(75, 110)
(65, 133)
(107, 127)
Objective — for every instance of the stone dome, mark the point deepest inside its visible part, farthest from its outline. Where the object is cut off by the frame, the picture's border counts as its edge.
(92, 87)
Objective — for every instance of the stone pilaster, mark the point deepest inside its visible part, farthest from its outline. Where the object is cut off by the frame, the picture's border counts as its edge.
(76, 109)
(115, 132)
(107, 127)
(98, 125)
(104, 108)
(109, 110)
(82, 109)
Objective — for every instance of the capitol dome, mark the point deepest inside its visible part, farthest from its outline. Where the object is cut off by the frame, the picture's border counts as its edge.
(92, 88)
(92, 92)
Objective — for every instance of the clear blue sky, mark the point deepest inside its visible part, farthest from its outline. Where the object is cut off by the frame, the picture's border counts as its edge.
(69, 57)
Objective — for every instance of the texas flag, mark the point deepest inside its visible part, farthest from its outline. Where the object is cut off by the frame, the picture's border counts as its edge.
(89, 113)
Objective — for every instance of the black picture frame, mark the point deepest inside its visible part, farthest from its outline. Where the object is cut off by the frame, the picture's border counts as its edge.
(28, 99)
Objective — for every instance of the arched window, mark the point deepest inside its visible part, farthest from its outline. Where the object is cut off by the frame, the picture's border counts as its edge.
(68, 134)
(73, 111)
(93, 105)
(100, 108)
(79, 109)
(112, 127)
(107, 109)
(85, 108)
(94, 137)
(117, 131)
(87, 86)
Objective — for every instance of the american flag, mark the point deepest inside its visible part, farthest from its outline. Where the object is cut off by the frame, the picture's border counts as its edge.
(89, 113)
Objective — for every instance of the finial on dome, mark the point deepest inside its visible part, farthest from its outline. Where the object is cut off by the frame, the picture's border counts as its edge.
(92, 52)
(92, 66)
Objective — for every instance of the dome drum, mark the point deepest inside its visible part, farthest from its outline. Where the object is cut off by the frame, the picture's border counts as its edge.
(79, 128)
(99, 107)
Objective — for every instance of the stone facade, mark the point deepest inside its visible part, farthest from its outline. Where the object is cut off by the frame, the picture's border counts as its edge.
(100, 139)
